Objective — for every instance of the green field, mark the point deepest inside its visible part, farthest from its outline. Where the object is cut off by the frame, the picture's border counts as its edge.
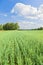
(21, 47)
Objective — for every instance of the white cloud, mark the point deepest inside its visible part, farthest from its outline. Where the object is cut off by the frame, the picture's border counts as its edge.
(40, 12)
(28, 11)
(29, 25)
(3, 15)
(24, 10)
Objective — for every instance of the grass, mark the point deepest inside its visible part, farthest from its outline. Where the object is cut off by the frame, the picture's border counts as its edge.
(21, 47)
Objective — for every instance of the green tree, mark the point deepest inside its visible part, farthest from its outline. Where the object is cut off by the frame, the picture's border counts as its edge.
(41, 28)
(10, 26)
(16, 26)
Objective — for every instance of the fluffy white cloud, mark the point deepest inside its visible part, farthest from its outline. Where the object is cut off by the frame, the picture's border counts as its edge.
(24, 10)
(40, 12)
(28, 11)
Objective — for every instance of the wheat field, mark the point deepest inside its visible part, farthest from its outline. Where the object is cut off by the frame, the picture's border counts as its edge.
(21, 47)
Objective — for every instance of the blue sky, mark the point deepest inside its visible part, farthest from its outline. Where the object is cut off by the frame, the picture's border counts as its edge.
(28, 13)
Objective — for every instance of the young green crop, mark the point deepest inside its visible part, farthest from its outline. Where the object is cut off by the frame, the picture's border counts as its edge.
(21, 47)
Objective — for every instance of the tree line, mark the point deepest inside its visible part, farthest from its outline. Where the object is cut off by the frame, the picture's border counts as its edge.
(9, 26)
(40, 28)
(14, 26)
